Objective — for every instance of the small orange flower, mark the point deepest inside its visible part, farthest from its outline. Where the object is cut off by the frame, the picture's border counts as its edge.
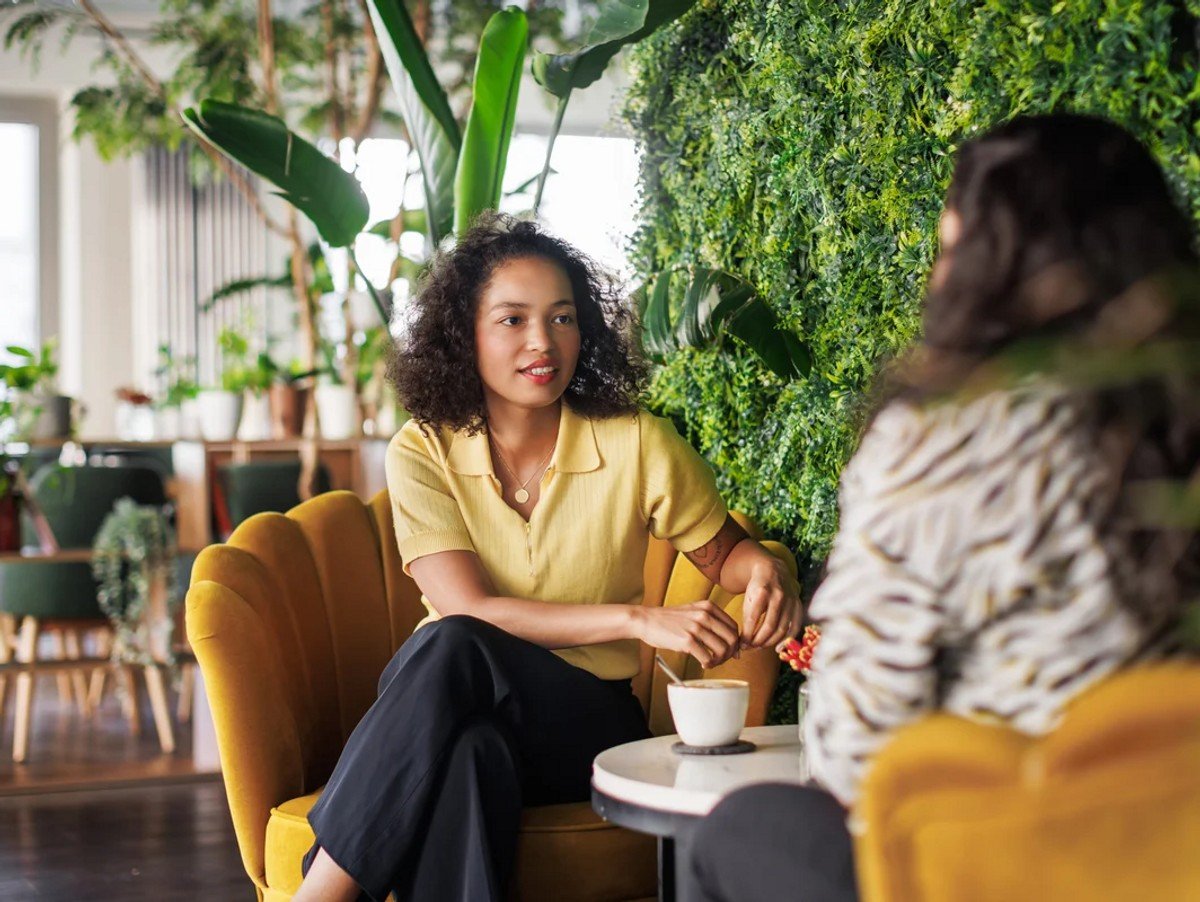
(798, 652)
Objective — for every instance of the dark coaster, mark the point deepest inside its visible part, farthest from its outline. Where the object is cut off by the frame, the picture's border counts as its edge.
(738, 748)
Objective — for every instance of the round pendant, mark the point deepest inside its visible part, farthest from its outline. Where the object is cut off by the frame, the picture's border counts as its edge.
(521, 495)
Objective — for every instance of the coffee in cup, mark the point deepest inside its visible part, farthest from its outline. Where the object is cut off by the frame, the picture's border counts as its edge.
(709, 712)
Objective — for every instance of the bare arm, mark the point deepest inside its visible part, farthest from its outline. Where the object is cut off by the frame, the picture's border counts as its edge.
(455, 582)
(740, 565)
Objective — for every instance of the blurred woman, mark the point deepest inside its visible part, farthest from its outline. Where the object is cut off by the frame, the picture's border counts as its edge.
(996, 555)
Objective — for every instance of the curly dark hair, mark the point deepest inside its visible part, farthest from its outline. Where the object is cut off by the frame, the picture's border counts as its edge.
(433, 367)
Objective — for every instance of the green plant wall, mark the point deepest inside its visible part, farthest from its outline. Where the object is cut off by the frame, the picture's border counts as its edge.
(805, 145)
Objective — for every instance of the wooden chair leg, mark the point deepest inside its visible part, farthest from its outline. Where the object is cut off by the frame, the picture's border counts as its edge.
(26, 652)
(157, 691)
(187, 690)
(6, 653)
(79, 685)
(129, 701)
(99, 674)
(62, 678)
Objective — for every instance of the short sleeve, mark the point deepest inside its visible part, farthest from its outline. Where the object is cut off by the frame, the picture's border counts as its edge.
(426, 513)
(679, 500)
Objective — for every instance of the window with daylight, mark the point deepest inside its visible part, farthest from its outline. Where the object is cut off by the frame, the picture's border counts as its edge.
(19, 245)
(589, 199)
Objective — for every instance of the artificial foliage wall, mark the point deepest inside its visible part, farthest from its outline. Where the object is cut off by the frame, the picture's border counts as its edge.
(805, 145)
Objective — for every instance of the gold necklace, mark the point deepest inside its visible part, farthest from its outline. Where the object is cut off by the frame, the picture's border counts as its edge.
(520, 494)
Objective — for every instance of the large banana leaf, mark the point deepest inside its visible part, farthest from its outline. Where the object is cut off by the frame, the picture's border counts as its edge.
(313, 183)
(656, 316)
(489, 126)
(716, 304)
(426, 111)
(620, 22)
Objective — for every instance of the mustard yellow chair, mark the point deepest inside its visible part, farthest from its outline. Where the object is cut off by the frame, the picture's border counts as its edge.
(292, 621)
(1105, 807)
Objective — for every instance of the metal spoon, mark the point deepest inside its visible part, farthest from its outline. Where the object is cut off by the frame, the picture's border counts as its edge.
(667, 670)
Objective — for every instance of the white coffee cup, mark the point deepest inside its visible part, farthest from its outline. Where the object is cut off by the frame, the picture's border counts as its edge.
(709, 712)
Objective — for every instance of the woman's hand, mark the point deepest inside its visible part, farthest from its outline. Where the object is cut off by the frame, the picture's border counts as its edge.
(771, 611)
(701, 629)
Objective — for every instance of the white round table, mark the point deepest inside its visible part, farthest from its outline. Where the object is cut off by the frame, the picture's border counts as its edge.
(647, 787)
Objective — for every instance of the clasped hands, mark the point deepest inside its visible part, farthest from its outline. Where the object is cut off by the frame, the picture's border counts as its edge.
(771, 613)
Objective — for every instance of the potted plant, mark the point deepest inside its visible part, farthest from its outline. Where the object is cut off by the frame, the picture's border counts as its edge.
(381, 410)
(220, 407)
(287, 398)
(134, 563)
(39, 410)
(179, 390)
(135, 414)
(256, 414)
(337, 407)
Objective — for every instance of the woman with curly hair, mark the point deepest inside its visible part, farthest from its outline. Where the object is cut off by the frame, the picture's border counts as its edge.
(524, 489)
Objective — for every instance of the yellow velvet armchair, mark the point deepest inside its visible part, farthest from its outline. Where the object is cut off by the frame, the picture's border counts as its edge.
(292, 621)
(1105, 807)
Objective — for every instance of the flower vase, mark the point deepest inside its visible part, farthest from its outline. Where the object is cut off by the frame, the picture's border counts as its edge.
(801, 708)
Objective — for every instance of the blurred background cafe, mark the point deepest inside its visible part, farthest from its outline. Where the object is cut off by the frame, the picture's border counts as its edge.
(179, 350)
(182, 348)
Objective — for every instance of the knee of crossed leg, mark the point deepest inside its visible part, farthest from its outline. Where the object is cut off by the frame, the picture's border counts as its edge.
(452, 635)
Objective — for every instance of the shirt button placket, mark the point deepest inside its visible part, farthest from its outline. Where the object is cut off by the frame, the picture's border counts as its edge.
(529, 548)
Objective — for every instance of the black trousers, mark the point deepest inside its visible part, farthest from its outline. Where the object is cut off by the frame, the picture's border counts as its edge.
(471, 724)
(772, 842)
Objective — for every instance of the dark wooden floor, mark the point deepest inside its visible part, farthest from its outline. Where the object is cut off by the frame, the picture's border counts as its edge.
(70, 751)
(72, 827)
(151, 843)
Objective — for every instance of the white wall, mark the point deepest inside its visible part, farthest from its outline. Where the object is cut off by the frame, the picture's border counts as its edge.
(96, 311)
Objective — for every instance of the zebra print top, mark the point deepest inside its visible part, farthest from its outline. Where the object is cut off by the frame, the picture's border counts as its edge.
(980, 568)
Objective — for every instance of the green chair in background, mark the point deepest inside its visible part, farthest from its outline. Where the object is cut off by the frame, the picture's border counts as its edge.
(255, 488)
(39, 596)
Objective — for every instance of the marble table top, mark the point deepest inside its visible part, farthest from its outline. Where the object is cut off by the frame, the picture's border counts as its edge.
(647, 774)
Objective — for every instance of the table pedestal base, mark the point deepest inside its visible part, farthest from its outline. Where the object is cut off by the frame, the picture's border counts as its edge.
(666, 869)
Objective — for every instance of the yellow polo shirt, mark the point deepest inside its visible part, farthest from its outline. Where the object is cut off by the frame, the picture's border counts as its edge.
(610, 484)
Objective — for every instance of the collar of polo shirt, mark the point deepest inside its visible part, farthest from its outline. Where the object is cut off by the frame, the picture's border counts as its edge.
(576, 451)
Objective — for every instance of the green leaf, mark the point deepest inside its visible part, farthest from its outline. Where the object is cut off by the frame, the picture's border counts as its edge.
(18, 351)
(313, 183)
(239, 286)
(714, 304)
(526, 185)
(412, 221)
(425, 109)
(756, 325)
(656, 318)
(620, 22)
(489, 126)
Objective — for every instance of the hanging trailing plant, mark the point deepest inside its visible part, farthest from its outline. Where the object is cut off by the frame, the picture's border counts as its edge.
(133, 557)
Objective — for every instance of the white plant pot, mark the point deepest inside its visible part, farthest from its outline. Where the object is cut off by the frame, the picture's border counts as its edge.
(220, 412)
(256, 418)
(189, 419)
(337, 409)
(166, 424)
(134, 422)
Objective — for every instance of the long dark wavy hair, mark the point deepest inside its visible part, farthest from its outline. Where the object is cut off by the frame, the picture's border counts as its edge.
(1072, 260)
(433, 368)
